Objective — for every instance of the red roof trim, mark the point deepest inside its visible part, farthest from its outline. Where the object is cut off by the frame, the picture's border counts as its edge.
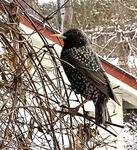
(109, 68)
(45, 31)
(119, 74)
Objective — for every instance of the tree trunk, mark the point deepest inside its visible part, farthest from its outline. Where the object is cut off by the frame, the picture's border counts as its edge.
(68, 15)
(60, 15)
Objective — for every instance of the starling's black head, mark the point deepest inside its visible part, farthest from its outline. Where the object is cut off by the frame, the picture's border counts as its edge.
(74, 38)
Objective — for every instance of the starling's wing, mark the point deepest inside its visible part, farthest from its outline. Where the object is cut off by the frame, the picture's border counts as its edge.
(88, 64)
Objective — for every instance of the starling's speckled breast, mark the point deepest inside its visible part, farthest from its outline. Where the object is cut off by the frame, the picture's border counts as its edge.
(79, 83)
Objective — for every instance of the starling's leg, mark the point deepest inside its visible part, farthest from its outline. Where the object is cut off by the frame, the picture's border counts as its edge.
(75, 110)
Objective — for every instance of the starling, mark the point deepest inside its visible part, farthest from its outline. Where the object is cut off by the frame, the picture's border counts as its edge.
(85, 73)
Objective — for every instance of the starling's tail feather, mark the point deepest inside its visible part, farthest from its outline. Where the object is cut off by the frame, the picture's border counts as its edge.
(101, 111)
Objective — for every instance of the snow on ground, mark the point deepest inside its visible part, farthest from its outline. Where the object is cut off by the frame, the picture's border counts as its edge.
(130, 132)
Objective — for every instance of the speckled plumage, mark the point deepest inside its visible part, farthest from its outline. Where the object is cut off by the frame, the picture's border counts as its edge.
(85, 72)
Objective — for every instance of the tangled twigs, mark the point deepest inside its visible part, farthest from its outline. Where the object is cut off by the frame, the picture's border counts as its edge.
(32, 90)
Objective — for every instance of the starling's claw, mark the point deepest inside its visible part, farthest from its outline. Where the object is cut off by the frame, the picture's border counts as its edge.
(74, 111)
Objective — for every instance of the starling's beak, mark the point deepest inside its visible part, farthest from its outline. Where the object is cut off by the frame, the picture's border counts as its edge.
(59, 35)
